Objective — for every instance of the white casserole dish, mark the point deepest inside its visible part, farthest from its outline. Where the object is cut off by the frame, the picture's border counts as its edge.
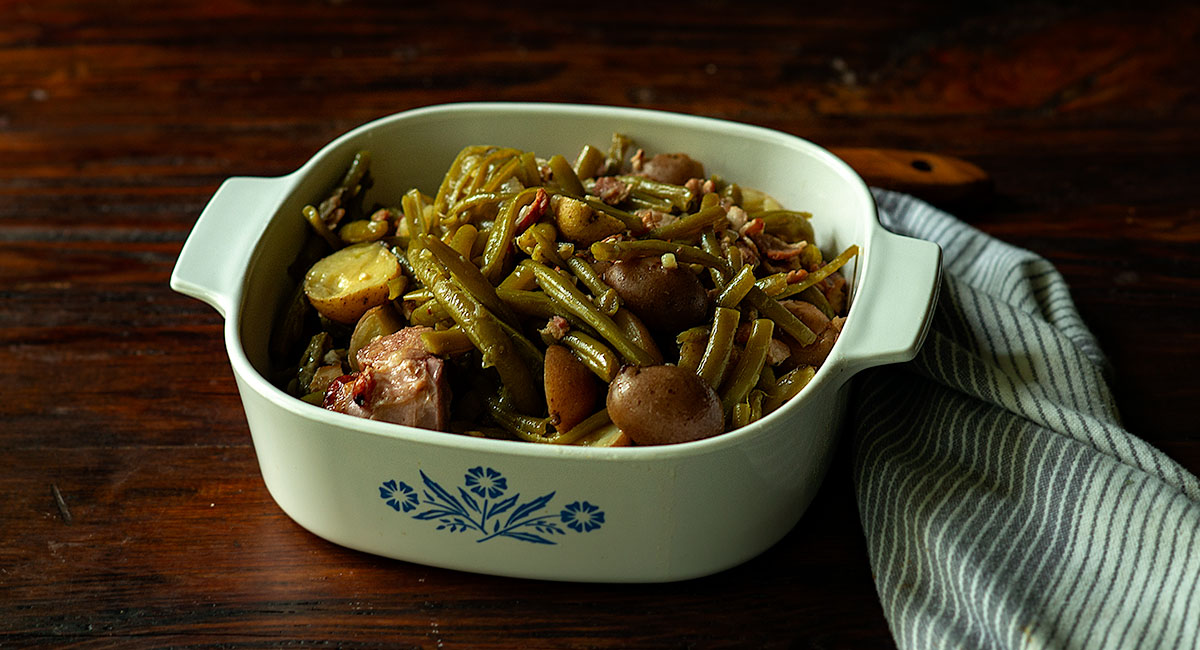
(540, 511)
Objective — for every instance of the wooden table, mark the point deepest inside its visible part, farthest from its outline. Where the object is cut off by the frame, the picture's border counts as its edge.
(133, 513)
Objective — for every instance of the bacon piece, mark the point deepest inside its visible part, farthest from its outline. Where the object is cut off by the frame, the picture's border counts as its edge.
(533, 212)
(399, 381)
(611, 190)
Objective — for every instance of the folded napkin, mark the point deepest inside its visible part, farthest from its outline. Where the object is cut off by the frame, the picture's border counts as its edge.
(1004, 504)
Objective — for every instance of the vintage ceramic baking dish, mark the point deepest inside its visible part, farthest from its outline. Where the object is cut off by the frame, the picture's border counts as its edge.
(540, 511)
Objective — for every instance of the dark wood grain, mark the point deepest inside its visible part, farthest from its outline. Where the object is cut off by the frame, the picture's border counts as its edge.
(133, 512)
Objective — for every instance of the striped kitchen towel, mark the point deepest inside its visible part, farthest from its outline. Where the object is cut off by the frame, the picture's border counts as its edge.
(1012, 509)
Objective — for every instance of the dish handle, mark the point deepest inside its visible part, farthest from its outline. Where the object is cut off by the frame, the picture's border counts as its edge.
(901, 287)
(216, 254)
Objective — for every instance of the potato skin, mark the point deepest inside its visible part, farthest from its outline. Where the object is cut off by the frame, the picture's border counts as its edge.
(662, 405)
(667, 300)
(346, 283)
(571, 389)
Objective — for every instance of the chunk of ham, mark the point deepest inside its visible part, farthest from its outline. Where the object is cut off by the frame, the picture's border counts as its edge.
(398, 381)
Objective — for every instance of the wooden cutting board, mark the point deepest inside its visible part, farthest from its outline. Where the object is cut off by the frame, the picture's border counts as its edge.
(944, 180)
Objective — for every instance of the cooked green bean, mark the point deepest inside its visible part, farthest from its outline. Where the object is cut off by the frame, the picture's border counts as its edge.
(690, 226)
(692, 343)
(786, 320)
(574, 301)
(823, 272)
(597, 356)
(624, 250)
(659, 194)
(720, 343)
(447, 342)
(589, 163)
(749, 364)
(637, 332)
(565, 176)
(470, 278)
(738, 287)
(525, 427)
(499, 243)
(788, 386)
(318, 225)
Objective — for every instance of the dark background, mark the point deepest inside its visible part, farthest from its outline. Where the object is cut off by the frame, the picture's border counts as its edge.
(131, 508)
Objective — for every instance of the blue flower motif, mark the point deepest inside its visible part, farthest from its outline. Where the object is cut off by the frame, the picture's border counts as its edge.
(398, 495)
(582, 516)
(486, 482)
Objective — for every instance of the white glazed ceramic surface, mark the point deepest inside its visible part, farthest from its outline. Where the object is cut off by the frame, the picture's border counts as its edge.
(540, 511)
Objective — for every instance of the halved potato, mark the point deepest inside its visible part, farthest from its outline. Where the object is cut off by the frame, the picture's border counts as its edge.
(344, 285)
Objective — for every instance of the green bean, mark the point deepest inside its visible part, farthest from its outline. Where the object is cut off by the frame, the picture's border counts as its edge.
(638, 333)
(659, 193)
(521, 278)
(539, 305)
(691, 225)
(541, 239)
(772, 284)
(505, 172)
(632, 222)
(413, 209)
(616, 153)
(737, 288)
(455, 176)
(756, 404)
(470, 278)
(589, 163)
(318, 225)
(590, 424)
(606, 297)
(485, 330)
(314, 356)
(574, 301)
(814, 296)
(495, 345)
(711, 245)
(565, 176)
(622, 250)
(720, 343)
(524, 427)
(463, 240)
(356, 172)
(788, 386)
(447, 342)
(790, 225)
(825, 271)
(499, 242)
(786, 320)
(749, 364)
(471, 202)
(739, 415)
(692, 344)
(597, 356)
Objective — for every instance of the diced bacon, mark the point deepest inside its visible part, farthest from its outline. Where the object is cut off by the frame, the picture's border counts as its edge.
(399, 381)
(611, 190)
(557, 327)
(777, 249)
(652, 219)
(533, 212)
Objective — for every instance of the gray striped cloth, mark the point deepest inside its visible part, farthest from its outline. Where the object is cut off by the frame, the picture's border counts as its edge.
(1004, 505)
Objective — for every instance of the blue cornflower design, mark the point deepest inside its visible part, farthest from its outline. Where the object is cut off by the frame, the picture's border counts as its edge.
(398, 495)
(486, 482)
(582, 516)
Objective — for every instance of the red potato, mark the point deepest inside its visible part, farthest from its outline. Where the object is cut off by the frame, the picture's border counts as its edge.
(660, 405)
(571, 389)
